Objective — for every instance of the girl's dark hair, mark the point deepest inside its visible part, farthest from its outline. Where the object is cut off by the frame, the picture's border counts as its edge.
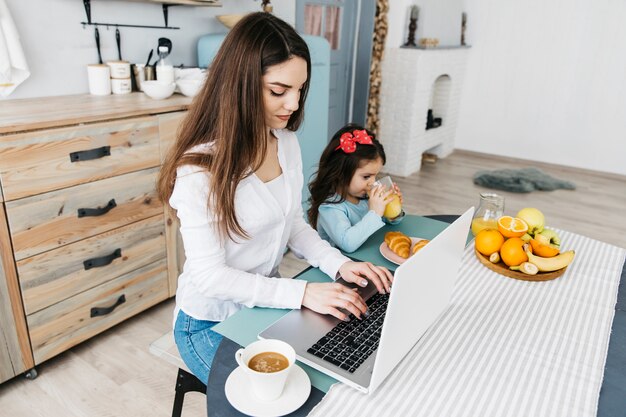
(230, 115)
(336, 169)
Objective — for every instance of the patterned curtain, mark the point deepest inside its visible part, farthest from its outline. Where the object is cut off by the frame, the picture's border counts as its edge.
(380, 34)
(333, 20)
(313, 19)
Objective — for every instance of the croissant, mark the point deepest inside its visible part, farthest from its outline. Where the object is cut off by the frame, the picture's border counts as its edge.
(419, 245)
(399, 243)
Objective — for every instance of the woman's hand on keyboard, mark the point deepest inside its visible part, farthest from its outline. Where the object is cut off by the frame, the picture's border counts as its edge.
(357, 272)
(329, 298)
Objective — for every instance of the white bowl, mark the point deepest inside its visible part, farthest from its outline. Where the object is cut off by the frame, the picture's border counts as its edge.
(158, 90)
(189, 87)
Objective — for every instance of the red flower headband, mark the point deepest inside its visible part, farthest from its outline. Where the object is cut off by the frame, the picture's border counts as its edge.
(348, 140)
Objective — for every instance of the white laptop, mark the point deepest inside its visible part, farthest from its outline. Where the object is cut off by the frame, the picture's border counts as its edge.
(362, 353)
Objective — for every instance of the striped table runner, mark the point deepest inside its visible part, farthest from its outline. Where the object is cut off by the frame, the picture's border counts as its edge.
(505, 347)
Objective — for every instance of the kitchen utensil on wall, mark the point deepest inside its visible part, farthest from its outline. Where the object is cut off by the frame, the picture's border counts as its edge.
(98, 46)
(167, 43)
(119, 43)
(149, 57)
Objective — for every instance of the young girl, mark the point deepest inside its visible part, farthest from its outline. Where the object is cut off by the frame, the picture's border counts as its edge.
(234, 178)
(346, 207)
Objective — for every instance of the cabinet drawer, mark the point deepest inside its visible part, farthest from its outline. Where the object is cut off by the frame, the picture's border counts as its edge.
(53, 276)
(65, 324)
(37, 162)
(47, 221)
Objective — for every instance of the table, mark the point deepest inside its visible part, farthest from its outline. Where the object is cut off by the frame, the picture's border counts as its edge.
(611, 401)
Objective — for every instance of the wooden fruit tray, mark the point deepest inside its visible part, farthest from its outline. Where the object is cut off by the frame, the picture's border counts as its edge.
(502, 269)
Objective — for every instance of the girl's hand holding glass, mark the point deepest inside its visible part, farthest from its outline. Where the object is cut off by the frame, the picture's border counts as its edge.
(393, 208)
(379, 197)
(397, 191)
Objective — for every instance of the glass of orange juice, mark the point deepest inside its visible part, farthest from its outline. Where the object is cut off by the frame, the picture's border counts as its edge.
(394, 208)
(490, 209)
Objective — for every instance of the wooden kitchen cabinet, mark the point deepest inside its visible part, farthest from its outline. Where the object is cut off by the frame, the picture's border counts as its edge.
(15, 352)
(168, 127)
(85, 241)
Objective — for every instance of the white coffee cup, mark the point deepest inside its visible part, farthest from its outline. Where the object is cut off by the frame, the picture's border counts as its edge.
(99, 77)
(119, 69)
(267, 386)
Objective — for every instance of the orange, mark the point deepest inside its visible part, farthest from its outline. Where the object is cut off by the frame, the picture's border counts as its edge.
(512, 252)
(545, 251)
(512, 226)
(488, 241)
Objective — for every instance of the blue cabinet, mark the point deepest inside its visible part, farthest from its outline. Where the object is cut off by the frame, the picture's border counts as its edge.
(313, 132)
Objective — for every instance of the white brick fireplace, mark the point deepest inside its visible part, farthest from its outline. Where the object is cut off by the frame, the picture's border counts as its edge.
(414, 81)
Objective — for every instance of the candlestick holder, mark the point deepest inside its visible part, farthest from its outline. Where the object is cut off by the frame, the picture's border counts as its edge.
(412, 28)
(412, 25)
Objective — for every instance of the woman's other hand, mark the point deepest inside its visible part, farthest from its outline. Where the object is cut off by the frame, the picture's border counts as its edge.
(378, 199)
(360, 272)
(328, 298)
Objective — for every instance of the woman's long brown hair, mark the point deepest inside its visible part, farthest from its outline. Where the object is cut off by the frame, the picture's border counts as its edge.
(229, 114)
(336, 169)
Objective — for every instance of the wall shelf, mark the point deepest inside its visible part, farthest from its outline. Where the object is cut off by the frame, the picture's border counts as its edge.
(166, 5)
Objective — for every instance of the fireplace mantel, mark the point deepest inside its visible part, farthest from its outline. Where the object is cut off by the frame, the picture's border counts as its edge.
(415, 80)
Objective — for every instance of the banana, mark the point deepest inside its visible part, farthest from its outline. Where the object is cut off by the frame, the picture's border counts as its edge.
(553, 263)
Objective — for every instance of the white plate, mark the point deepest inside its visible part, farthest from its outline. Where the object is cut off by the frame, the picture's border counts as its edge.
(240, 395)
(391, 256)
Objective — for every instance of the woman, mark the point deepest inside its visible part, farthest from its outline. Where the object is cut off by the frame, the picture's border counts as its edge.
(234, 178)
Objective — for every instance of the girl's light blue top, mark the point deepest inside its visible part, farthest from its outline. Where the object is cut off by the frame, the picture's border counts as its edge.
(347, 225)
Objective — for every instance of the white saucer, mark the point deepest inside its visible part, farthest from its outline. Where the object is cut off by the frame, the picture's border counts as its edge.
(391, 256)
(240, 395)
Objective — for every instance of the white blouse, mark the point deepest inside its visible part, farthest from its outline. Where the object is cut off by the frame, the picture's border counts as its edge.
(219, 278)
(277, 188)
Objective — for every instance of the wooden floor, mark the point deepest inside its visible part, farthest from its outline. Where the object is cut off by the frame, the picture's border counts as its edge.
(113, 374)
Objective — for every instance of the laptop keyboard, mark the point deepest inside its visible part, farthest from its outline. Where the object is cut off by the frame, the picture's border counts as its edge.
(349, 344)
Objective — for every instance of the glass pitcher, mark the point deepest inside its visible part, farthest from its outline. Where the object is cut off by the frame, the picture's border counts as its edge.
(490, 209)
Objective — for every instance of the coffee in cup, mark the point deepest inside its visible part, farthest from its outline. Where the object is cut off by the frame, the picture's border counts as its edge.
(267, 364)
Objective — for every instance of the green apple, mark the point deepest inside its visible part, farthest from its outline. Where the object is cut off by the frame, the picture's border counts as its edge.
(549, 237)
(533, 218)
(526, 237)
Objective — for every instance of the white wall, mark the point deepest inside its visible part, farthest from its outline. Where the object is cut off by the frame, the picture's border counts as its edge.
(57, 48)
(546, 81)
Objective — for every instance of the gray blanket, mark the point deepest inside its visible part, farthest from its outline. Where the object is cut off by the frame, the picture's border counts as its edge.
(522, 180)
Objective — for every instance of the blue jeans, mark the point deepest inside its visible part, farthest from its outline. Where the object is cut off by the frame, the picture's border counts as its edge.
(197, 344)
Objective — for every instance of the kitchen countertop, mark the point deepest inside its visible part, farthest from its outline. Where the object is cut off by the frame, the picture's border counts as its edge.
(46, 112)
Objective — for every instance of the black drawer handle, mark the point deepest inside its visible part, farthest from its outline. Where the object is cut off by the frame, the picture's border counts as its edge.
(84, 212)
(103, 311)
(102, 261)
(90, 154)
